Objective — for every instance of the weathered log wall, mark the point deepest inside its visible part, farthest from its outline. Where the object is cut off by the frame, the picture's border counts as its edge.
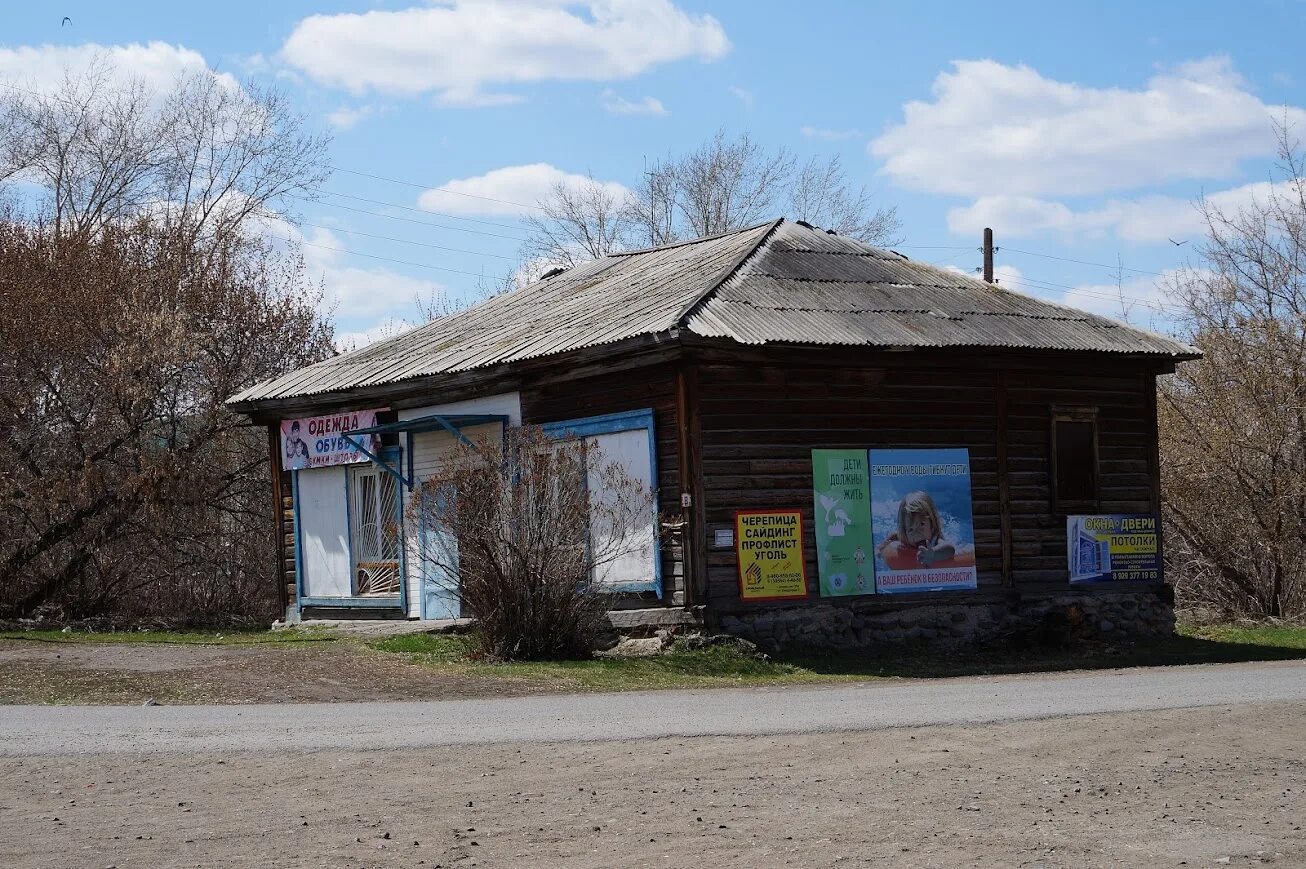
(653, 387)
(760, 421)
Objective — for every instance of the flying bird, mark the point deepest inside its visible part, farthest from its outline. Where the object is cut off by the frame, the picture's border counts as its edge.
(66, 20)
(1176, 243)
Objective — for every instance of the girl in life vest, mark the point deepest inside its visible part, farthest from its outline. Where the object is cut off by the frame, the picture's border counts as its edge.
(919, 541)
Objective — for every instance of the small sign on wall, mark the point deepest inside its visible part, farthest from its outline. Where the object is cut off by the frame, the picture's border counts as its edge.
(1113, 547)
(769, 549)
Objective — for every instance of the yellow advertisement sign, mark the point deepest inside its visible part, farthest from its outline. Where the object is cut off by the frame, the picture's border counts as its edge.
(1132, 544)
(769, 548)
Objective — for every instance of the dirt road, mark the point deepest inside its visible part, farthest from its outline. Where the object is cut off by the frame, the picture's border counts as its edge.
(1162, 788)
(275, 728)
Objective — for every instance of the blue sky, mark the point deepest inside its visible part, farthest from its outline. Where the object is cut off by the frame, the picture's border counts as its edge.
(1077, 133)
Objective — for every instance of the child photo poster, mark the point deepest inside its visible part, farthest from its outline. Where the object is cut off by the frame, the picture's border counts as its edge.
(922, 520)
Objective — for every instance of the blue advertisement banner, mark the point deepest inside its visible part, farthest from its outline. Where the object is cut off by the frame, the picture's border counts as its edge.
(1113, 547)
(922, 520)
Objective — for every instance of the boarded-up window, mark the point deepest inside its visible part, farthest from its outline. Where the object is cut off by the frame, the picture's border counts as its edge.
(626, 440)
(1074, 458)
(636, 567)
(322, 523)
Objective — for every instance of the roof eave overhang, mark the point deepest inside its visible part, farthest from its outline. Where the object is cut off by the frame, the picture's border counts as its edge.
(451, 386)
(1153, 357)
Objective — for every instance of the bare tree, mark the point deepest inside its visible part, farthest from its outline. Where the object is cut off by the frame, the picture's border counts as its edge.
(727, 184)
(524, 535)
(723, 185)
(92, 149)
(1126, 304)
(576, 224)
(126, 484)
(141, 289)
(1233, 424)
(822, 195)
(652, 207)
(204, 157)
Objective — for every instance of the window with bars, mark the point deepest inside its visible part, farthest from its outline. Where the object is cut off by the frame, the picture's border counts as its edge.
(374, 530)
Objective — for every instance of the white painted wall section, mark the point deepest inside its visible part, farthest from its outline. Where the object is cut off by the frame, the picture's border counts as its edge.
(324, 532)
(503, 404)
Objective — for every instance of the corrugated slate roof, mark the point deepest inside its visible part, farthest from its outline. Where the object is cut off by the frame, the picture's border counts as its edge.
(809, 287)
(775, 282)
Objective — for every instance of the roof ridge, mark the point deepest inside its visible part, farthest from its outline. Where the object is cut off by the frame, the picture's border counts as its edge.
(1084, 317)
(727, 274)
(872, 251)
(690, 241)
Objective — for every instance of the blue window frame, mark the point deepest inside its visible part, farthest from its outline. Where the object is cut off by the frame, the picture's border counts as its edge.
(612, 423)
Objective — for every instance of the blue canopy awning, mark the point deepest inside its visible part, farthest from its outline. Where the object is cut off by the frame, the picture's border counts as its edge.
(453, 423)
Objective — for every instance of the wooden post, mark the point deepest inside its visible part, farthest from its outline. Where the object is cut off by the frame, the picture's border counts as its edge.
(988, 255)
(689, 435)
(1154, 461)
(278, 515)
(1004, 485)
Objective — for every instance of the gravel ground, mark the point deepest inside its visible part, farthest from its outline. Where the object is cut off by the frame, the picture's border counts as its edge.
(1209, 786)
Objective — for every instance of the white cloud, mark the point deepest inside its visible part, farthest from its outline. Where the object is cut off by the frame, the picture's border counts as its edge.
(1004, 275)
(354, 292)
(1007, 276)
(458, 48)
(512, 190)
(1148, 219)
(1012, 216)
(744, 96)
(829, 135)
(619, 105)
(386, 329)
(157, 65)
(995, 127)
(347, 116)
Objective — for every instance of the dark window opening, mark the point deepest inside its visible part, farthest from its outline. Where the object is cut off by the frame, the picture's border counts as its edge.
(386, 417)
(1074, 457)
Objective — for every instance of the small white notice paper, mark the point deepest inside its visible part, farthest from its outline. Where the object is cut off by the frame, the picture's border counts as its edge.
(724, 537)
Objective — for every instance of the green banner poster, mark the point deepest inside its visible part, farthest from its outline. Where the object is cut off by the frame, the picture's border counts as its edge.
(844, 555)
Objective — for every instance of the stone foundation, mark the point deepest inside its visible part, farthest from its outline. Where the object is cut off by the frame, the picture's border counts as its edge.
(1055, 620)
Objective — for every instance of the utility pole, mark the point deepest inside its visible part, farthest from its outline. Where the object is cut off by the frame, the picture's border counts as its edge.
(988, 255)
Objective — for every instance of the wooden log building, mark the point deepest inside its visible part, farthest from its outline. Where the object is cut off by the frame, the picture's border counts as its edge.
(714, 368)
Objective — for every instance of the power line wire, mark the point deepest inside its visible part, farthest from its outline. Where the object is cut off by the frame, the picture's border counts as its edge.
(387, 259)
(1081, 261)
(406, 219)
(1033, 286)
(418, 210)
(407, 241)
(430, 187)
